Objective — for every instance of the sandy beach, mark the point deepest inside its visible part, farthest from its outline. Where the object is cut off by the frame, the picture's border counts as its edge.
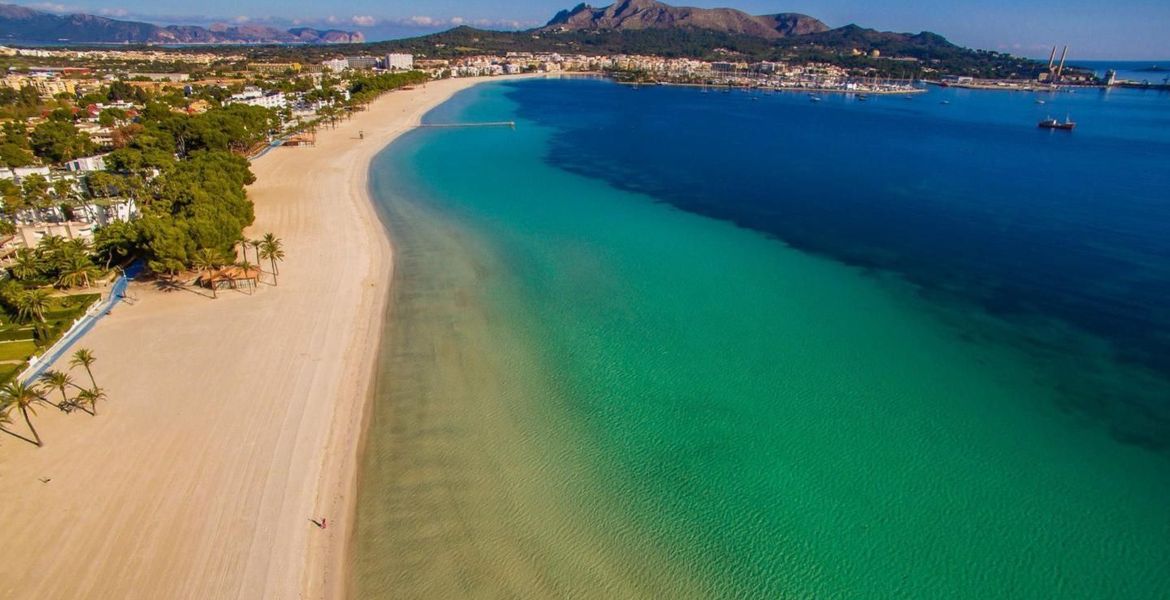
(230, 422)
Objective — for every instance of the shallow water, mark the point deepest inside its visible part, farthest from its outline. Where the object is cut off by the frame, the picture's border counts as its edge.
(665, 343)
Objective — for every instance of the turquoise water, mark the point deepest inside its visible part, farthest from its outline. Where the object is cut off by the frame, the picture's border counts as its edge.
(587, 392)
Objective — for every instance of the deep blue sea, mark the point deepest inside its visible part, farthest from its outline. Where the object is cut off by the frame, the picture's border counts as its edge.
(1060, 234)
(659, 342)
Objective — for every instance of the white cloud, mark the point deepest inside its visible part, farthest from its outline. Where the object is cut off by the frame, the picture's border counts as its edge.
(364, 20)
(427, 22)
(53, 7)
(422, 21)
(113, 12)
(241, 19)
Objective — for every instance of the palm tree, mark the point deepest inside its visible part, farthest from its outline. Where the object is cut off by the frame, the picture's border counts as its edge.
(272, 249)
(84, 358)
(51, 244)
(76, 269)
(206, 260)
(79, 246)
(242, 242)
(255, 244)
(26, 264)
(57, 380)
(24, 397)
(245, 267)
(91, 397)
(31, 305)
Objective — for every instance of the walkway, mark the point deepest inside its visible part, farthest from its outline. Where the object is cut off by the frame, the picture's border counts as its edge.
(63, 345)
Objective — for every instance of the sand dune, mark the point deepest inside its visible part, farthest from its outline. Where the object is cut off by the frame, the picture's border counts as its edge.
(230, 422)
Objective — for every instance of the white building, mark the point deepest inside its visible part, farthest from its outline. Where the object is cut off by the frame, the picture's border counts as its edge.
(336, 65)
(399, 62)
(87, 164)
(107, 211)
(361, 62)
(19, 173)
(254, 96)
(31, 235)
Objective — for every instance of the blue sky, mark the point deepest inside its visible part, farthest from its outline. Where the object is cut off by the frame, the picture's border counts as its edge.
(1137, 29)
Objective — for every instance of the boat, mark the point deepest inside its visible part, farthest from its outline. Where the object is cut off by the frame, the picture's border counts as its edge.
(1051, 123)
(945, 102)
(814, 98)
(862, 97)
(1039, 101)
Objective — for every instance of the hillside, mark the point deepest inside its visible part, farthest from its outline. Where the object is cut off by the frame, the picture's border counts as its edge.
(22, 24)
(651, 14)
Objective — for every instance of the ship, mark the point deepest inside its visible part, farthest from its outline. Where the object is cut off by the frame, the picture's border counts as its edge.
(1051, 123)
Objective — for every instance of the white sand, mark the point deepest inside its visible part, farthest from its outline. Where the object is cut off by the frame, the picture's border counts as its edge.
(229, 422)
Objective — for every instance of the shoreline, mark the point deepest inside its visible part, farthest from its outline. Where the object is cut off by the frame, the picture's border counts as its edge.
(342, 469)
(231, 422)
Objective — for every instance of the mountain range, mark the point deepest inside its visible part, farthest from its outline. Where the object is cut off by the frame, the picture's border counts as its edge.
(650, 14)
(23, 24)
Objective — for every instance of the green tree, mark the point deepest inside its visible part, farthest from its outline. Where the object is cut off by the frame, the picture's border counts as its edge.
(272, 250)
(58, 380)
(58, 141)
(117, 241)
(76, 271)
(84, 358)
(35, 190)
(91, 397)
(25, 398)
(26, 265)
(206, 260)
(12, 155)
(31, 305)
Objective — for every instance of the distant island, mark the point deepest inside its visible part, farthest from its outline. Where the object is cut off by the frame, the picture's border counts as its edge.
(22, 24)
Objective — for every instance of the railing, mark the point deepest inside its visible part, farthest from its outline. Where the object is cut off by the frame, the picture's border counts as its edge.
(38, 364)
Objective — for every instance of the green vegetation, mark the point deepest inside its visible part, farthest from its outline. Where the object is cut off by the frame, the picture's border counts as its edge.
(17, 351)
(270, 248)
(16, 396)
(23, 398)
(55, 261)
(363, 88)
(33, 321)
(834, 47)
(57, 140)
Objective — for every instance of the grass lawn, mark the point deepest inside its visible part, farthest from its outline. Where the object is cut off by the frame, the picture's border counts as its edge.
(17, 342)
(7, 372)
(17, 350)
